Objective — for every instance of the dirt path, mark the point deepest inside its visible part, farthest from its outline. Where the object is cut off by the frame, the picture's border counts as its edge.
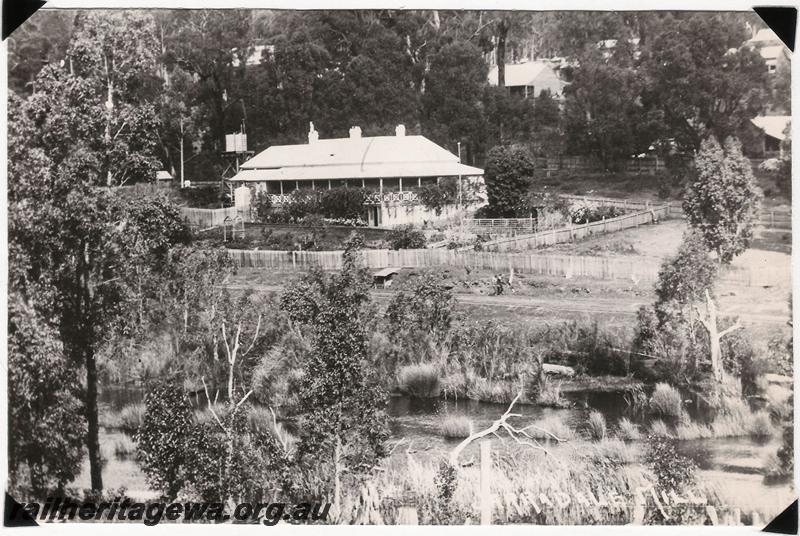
(551, 306)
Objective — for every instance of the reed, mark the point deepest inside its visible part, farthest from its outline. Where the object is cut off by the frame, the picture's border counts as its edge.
(455, 426)
(596, 425)
(627, 430)
(420, 381)
(666, 402)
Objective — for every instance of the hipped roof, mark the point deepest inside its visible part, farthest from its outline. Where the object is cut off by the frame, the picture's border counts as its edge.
(354, 158)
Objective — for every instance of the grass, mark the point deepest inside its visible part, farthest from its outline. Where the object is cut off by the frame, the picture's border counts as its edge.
(455, 426)
(128, 419)
(735, 420)
(124, 447)
(420, 381)
(628, 431)
(596, 425)
(553, 424)
(666, 402)
(550, 395)
(659, 428)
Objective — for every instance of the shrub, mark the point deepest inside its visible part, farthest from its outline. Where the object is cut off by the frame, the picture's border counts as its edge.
(420, 381)
(406, 237)
(628, 430)
(666, 401)
(671, 470)
(761, 425)
(455, 426)
(206, 197)
(342, 202)
(596, 425)
(550, 394)
(262, 206)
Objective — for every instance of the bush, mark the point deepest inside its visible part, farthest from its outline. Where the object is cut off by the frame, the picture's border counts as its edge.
(596, 425)
(206, 197)
(262, 206)
(761, 425)
(666, 401)
(455, 426)
(628, 430)
(342, 202)
(406, 237)
(420, 381)
(672, 471)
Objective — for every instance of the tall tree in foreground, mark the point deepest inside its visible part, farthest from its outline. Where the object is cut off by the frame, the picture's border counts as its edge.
(723, 200)
(344, 426)
(43, 401)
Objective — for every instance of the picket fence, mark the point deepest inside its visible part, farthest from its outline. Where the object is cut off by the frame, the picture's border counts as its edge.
(635, 269)
(775, 218)
(206, 218)
(572, 233)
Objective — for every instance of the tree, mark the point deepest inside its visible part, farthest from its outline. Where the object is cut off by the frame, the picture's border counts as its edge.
(43, 401)
(116, 52)
(603, 114)
(508, 176)
(344, 424)
(701, 78)
(684, 279)
(76, 252)
(450, 117)
(723, 200)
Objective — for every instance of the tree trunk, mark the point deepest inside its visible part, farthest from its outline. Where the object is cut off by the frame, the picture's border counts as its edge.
(93, 436)
(502, 33)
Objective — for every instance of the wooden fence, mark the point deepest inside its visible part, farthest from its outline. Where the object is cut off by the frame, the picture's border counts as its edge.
(634, 269)
(205, 218)
(578, 232)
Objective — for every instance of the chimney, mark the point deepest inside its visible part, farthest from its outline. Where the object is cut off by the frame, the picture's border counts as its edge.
(313, 135)
(355, 133)
(400, 130)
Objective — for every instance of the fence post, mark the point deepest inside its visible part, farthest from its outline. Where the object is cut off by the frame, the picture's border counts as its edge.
(486, 493)
(294, 260)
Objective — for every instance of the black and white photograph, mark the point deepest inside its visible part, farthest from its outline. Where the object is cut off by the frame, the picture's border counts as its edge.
(399, 266)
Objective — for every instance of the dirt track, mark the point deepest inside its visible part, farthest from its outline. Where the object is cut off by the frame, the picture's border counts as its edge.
(550, 307)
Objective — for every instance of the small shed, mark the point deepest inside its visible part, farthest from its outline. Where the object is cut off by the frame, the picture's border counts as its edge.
(163, 175)
(383, 278)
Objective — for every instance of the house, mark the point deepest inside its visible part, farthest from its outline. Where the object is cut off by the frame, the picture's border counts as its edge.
(771, 132)
(528, 79)
(391, 168)
(769, 46)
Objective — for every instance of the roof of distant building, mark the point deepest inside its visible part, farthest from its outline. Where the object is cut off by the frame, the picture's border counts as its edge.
(764, 36)
(355, 157)
(771, 52)
(539, 74)
(773, 125)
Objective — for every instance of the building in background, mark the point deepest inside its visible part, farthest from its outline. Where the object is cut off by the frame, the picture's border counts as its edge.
(391, 168)
(528, 79)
